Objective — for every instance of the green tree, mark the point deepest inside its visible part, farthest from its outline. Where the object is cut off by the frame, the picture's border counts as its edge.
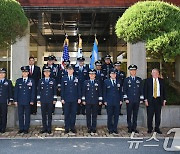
(13, 22)
(155, 23)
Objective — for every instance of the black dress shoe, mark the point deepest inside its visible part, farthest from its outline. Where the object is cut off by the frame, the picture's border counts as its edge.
(43, 131)
(115, 132)
(110, 132)
(73, 131)
(149, 131)
(26, 131)
(89, 131)
(94, 131)
(129, 131)
(120, 114)
(99, 113)
(158, 131)
(3, 131)
(49, 132)
(66, 131)
(20, 131)
(135, 130)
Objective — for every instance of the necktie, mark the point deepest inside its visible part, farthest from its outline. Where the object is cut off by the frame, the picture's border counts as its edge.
(1, 81)
(31, 71)
(155, 89)
(92, 81)
(114, 83)
(47, 80)
(70, 78)
(24, 81)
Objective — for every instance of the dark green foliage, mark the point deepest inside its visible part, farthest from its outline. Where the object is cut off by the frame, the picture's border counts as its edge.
(13, 22)
(155, 23)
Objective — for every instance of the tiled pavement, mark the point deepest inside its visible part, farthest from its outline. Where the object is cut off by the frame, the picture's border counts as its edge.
(58, 132)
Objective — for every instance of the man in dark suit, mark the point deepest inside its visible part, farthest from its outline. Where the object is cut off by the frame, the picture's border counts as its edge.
(24, 95)
(35, 74)
(92, 98)
(155, 98)
(70, 97)
(5, 98)
(112, 95)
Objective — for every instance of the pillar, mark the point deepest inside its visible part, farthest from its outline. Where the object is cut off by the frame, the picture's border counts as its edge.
(40, 56)
(136, 54)
(20, 55)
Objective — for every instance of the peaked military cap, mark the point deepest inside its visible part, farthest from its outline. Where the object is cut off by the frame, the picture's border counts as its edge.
(3, 70)
(132, 67)
(25, 68)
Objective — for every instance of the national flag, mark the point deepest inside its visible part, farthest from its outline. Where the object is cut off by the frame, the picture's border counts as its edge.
(95, 54)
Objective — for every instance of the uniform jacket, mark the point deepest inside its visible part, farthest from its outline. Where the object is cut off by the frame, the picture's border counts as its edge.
(92, 92)
(47, 91)
(112, 94)
(6, 91)
(70, 90)
(133, 89)
(24, 93)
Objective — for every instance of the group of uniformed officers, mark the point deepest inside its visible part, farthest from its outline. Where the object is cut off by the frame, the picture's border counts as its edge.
(82, 91)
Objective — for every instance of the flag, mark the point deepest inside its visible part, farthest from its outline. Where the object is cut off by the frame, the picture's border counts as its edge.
(79, 53)
(65, 52)
(95, 54)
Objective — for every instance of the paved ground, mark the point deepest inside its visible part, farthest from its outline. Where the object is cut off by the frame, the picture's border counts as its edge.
(58, 132)
(79, 146)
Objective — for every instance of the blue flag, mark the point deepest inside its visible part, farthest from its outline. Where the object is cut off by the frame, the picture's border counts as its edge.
(65, 52)
(95, 54)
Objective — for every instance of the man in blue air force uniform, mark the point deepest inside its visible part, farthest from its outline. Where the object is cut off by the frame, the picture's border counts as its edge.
(47, 98)
(120, 75)
(70, 97)
(24, 96)
(81, 72)
(133, 95)
(100, 77)
(112, 95)
(5, 98)
(92, 98)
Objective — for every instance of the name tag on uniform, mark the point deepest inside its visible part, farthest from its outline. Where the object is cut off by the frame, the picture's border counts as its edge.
(137, 81)
(96, 84)
(51, 82)
(108, 87)
(75, 80)
(30, 83)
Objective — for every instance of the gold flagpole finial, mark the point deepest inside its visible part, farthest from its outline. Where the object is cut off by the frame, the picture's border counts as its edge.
(96, 39)
(66, 41)
(80, 41)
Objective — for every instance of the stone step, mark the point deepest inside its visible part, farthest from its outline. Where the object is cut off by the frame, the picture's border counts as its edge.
(80, 120)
